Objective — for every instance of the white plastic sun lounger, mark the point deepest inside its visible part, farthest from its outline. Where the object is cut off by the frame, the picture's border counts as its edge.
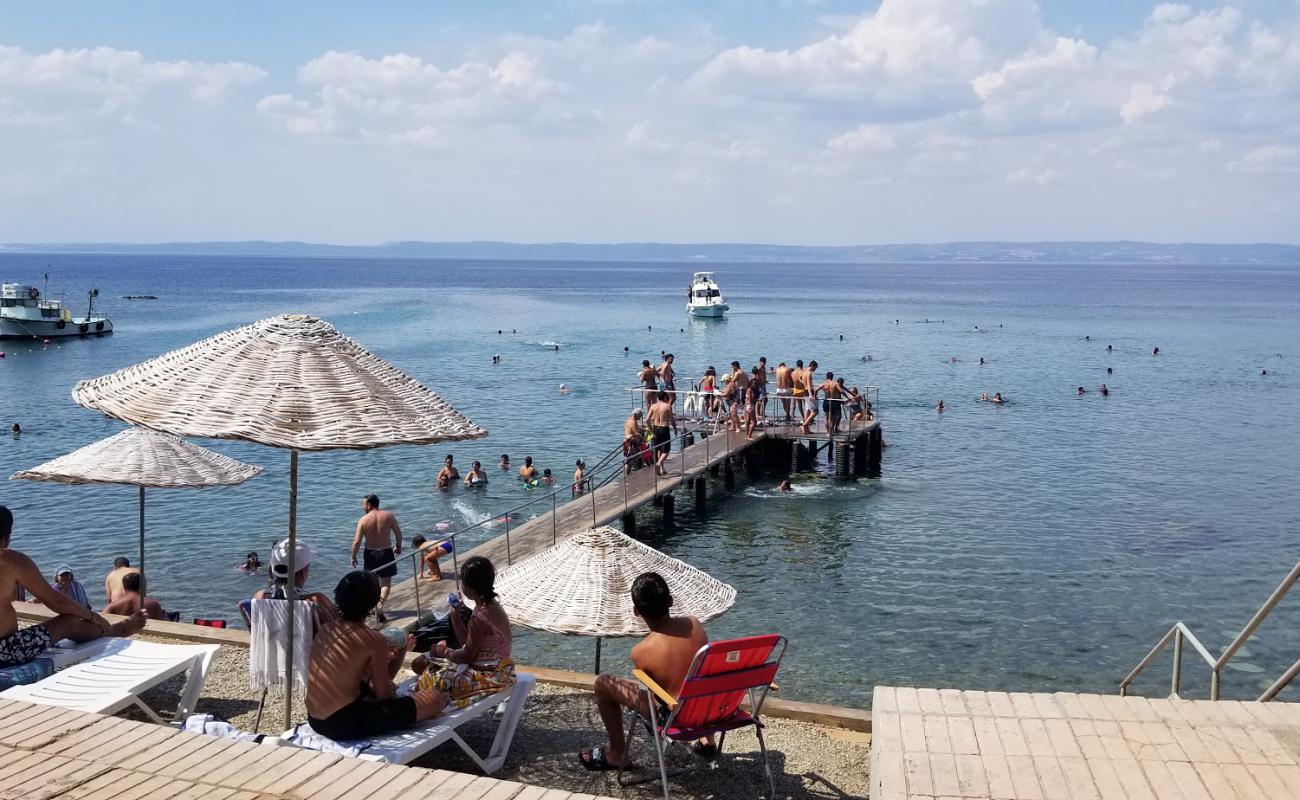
(115, 679)
(404, 746)
(65, 652)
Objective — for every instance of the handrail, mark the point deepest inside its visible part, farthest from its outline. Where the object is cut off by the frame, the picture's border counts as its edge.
(1180, 632)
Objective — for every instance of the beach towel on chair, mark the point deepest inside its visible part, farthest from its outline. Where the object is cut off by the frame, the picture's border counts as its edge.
(465, 683)
(267, 641)
(22, 674)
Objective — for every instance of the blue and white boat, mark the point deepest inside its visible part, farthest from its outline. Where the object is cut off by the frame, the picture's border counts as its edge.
(26, 314)
(704, 298)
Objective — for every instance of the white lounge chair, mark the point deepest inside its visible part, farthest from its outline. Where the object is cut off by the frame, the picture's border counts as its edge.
(65, 652)
(118, 675)
(408, 744)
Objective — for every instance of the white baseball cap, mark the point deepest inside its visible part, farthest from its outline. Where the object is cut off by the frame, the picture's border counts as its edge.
(280, 557)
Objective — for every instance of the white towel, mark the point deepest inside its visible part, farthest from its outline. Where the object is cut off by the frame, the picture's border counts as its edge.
(266, 653)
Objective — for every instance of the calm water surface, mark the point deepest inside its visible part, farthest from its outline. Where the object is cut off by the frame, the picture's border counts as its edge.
(1042, 545)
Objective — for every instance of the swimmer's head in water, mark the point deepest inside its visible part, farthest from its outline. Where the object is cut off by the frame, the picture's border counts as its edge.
(546, 472)
(476, 465)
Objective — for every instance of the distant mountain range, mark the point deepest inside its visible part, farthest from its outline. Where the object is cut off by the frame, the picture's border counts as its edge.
(950, 252)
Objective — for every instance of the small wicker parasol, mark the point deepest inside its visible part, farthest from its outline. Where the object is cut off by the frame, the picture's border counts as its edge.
(583, 586)
(143, 458)
(291, 381)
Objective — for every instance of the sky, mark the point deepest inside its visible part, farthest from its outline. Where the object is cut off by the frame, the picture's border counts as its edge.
(782, 121)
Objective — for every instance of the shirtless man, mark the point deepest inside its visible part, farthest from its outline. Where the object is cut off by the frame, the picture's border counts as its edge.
(668, 378)
(760, 388)
(74, 621)
(661, 417)
(528, 473)
(113, 580)
(130, 602)
(797, 390)
(784, 383)
(649, 380)
(375, 527)
(805, 384)
(832, 405)
(350, 691)
(665, 655)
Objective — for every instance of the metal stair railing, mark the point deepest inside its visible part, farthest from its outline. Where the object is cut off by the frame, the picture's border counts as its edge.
(1180, 633)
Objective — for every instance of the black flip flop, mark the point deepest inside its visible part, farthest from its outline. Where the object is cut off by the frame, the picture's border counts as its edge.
(593, 760)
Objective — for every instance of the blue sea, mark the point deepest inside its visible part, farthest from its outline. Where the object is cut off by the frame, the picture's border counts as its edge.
(1041, 545)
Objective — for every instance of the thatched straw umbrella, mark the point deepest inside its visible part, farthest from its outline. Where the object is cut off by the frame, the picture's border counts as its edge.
(290, 381)
(583, 586)
(142, 458)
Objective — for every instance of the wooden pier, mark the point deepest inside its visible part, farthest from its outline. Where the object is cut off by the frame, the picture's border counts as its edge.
(48, 753)
(946, 743)
(697, 456)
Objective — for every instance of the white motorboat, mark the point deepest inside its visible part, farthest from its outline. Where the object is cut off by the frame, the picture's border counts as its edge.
(704, 298)
(26, 314)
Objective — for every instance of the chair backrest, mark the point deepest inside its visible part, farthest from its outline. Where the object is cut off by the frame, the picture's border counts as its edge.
(722, 674)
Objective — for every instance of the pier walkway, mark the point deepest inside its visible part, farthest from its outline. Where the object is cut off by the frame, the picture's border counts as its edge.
(49, 753)
(617, 494)
(946, 743)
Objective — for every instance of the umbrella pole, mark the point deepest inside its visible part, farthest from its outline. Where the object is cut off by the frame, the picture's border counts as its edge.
(143, 585)
(290, 589)
(597, 655)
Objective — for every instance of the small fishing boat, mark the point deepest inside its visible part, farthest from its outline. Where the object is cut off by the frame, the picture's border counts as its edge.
(27, 314)
(704, 298)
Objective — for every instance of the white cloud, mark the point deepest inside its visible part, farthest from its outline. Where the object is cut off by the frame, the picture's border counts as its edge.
(863, 139)
(1028, 176)
(401, 98)
(102, 82)
(1271, 159)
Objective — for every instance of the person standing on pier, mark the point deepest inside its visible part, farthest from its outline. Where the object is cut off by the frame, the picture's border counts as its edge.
(383, 538)
(668, 378)
(832, 405)
(805, 384)
(760, 389)
(649, 380)
(797, 391)
(661, 418)
(784, 383)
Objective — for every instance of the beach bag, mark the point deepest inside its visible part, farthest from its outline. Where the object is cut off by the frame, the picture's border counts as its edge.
(465, 683)
(432, 630)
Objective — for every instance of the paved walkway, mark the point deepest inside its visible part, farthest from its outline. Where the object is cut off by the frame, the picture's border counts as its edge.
(49, 753)
(946, 743)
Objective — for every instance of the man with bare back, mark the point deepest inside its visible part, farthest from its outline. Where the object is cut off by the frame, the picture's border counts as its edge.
(668, 378)
(784, 383)
(805, 384)
(661, 418)
(74, 621)
(350, 691)
(833, 405)
(383, 538)
(665, 654)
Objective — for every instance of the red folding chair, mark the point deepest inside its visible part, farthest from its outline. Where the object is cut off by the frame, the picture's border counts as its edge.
(721, 675)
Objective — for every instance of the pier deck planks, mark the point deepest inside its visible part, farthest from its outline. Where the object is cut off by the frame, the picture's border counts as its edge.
(43, 767)
(999, 746)
(601, 507)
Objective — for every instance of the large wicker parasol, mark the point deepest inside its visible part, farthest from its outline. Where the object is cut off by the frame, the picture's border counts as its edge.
(583, 586)
(142, 458)
(290, 381)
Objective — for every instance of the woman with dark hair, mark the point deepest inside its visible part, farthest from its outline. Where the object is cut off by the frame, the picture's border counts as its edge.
(350, 691)
(486, 636)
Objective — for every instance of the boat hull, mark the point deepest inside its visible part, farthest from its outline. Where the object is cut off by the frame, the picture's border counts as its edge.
(49, 328)
(707, 311)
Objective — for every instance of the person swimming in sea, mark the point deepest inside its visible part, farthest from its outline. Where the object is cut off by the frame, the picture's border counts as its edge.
(1155, 351)
(251, 563)
(939, 407)
(1082, 391)
(16, 429)
(547, 478)
(981, 361)
(1104, 391)
(997, 398)
(1110, 371)
(476, 476)
(505, 461)
(783, 486)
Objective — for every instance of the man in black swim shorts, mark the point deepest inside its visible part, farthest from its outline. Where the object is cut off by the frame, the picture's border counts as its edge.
(383, 540)
(660, 418)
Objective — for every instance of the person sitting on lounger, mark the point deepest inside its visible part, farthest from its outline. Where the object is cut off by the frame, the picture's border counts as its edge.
(74, 621)
(131, 602)
(350, 691)
(665, 654)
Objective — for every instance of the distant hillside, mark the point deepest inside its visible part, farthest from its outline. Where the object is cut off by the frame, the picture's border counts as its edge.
(999, 252)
